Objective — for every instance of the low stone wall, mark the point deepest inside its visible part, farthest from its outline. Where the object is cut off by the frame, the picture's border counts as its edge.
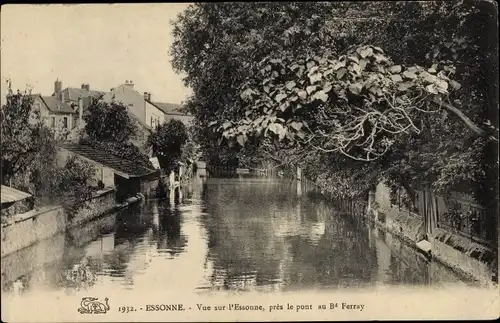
(102, 202)
(469, 258)
(23, 230)
(408, 226)
(464, 256)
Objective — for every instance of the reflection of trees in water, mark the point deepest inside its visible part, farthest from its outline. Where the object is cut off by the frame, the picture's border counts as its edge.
(240, 241)
(133, 223)
(131, 228)
(169, 237)
(80, 275)
(226, 193)
(262, 234)
(342, 255)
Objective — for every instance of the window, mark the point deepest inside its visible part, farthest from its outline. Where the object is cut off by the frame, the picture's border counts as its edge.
(65, 122)
(155, 121)
(53, 122)
(37, 106)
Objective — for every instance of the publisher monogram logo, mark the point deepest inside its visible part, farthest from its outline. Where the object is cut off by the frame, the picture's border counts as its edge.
(91, 305)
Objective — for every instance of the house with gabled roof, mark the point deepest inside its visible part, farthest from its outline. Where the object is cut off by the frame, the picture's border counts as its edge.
(71, 95)
(77, 98)
(136, 107)
(56, 114)
(169, 110)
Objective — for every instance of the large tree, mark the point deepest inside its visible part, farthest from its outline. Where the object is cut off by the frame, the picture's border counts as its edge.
(23, 133)
(419, 74)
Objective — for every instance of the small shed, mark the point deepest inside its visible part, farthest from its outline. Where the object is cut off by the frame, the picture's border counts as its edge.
(127, 176)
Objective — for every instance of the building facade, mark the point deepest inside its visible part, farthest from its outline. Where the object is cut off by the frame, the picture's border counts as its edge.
(57, 115)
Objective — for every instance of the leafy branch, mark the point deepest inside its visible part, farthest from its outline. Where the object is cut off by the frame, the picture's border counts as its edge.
(356, 104)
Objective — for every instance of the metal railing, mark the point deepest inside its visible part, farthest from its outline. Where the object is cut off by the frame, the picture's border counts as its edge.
(469, 220)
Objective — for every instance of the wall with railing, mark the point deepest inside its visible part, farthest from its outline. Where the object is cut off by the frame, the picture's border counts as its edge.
(465, 217)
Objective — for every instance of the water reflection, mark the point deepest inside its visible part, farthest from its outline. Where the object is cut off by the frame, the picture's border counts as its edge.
(222, 234)
(169, 237)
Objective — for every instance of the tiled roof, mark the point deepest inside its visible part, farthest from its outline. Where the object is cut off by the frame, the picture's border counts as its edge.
(168, 108)
(10, 195)
(54, 104)
(123, 167)
(72, 93)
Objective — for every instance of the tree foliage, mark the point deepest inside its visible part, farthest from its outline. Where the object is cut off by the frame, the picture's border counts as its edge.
(343, 83)
(29, 153)
(22, 134)
(108, 121)
(167, 142)
(72, 186)
(354, 105)
(108, 127)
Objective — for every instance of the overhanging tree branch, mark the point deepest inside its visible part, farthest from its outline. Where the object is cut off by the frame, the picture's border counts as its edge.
(465, 119)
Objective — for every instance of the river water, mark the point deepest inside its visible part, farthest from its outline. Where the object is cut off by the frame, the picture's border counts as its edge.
(241, 234)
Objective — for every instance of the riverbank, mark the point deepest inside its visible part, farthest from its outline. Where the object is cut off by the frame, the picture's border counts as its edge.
(466, 258)
(23, 230)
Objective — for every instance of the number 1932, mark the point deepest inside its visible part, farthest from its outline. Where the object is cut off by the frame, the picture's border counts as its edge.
(126, 309)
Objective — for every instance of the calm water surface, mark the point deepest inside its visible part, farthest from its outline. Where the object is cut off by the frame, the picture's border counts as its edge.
(249, 234)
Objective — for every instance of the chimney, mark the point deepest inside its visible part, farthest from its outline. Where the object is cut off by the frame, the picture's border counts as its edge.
(80, 112)
(62, 96)
(129, 84)
(147, 96)
(57, 88)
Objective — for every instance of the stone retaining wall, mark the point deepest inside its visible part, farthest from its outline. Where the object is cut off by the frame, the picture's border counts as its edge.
(409, 226)
(464, 256)
(102, 202)
(23, 230)
(470, 258)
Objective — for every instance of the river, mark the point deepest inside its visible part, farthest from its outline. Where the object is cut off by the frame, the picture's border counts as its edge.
(241, 234)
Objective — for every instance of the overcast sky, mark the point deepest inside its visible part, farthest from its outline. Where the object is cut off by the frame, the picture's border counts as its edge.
(102, 45)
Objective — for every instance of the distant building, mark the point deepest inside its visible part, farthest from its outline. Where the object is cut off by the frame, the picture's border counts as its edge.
(146, 114)
(71, 95)
(171, 111)
(77, 98)
(134, 101)
(56, 114)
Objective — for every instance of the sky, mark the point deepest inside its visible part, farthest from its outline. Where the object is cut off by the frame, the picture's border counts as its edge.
(100, 44)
